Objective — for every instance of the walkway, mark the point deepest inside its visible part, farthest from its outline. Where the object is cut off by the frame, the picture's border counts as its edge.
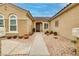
(39, 46)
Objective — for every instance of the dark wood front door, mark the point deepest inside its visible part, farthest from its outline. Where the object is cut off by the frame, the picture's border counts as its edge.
(37, 27)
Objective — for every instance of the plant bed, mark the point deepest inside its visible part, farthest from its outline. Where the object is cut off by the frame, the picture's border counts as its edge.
(26, 37)
(9, 37)
(14, 37)
(55, 33)
(47, 33)
(20, 37)
(51, 32)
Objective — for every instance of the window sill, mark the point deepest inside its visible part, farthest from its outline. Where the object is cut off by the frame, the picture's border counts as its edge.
(12, 32)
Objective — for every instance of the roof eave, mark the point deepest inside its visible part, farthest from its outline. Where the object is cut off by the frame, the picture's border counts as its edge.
(61, 11)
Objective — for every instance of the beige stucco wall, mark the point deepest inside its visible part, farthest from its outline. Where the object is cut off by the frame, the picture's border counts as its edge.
(24, 22)
(29, 25)
(67, 21)
(44, 30)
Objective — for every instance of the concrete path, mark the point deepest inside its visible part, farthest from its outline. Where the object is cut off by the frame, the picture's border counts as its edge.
(39, 47)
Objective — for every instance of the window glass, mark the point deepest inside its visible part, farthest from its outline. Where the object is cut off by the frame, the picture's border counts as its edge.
(1, 21)
(12, 23)
(45, 26)
(13, 28)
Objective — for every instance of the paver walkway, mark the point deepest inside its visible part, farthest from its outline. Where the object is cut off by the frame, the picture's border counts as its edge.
(39, 46)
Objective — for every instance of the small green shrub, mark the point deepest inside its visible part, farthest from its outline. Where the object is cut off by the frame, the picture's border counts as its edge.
(9, 37)
(51, 32)
(47, 32)
(20, 37)
(55, 33)
(14, 37)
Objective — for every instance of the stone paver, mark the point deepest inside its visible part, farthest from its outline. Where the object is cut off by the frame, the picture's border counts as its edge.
(39, 46)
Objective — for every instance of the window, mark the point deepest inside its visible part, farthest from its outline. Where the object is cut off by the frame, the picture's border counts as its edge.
(56, 23)
(13, 23)
(45, 26)
(1, 21)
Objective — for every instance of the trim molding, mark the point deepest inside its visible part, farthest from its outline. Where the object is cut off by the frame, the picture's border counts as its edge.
(16, 24)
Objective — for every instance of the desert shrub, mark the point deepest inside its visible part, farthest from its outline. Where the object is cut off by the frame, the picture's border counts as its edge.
(51, 32)
(73, 41)
(46, 32)
(20, 37)
(55, 33)
(9, 37)
(15, 37)
(26, 37)
(33, 30)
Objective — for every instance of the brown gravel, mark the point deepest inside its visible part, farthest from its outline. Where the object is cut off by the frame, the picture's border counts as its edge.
(60, 46)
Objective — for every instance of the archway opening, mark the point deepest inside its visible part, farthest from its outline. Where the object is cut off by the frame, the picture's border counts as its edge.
(38, 27)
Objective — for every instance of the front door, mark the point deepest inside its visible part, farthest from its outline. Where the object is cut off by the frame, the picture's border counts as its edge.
(37, 27)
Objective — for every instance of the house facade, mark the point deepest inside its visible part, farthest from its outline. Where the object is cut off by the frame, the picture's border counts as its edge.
(14, 20)
(17, 21)
(41, 24)
(66, 20)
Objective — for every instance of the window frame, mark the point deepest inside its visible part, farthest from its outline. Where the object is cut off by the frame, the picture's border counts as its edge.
(3, 20)
(45, 25)
(10, 24)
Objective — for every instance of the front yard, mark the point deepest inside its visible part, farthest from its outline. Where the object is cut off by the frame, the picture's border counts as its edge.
(16, 47)
(38, 44)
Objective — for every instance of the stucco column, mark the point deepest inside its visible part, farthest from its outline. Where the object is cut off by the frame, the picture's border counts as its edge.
(43, 26)
(34, 26)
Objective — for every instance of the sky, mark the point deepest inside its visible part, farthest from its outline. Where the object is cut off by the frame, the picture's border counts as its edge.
(42, 9)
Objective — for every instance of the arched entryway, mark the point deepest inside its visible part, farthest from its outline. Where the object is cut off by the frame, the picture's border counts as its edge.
(38, 26)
